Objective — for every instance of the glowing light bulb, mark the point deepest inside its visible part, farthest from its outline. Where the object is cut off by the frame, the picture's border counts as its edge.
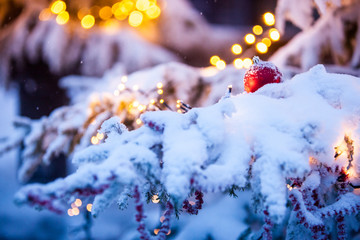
(136, 87)
(141, 108)
(274, 34)
(269, 19)
(89, 207)
(153, 12)
(124, 79)
(250, 38)
(257, 29)
(45, 14)
(105, 13)
(135, 103)
(121, 87)
(94, 140)
(75, 211)
(161, 101)
(78, 202)
(238, 63)
(138, 121)
(247, 62)
(88, 21)
(221, 65)
(62, 18)
(152, 101)
(160, 91)
(236, 49)
(155, 199)
(159, 85)
(100, 136)
(261, 47)
(214, 60)
(58, 7)
(70, 213)
(267, 41)
(135, 18)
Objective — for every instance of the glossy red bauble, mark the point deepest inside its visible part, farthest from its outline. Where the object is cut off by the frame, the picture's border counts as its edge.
(259, 74)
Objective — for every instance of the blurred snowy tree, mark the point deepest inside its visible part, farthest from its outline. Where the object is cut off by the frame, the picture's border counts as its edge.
(332, 38)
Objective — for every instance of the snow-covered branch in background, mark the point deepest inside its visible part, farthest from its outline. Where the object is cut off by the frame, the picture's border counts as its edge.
(278, 143)
(94, 100)
(333, 38)
(70, 49)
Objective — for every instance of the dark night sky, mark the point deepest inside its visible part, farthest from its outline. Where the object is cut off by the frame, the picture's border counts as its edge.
(234, 12)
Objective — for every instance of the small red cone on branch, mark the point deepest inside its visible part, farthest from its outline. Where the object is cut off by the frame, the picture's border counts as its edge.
(259, 74)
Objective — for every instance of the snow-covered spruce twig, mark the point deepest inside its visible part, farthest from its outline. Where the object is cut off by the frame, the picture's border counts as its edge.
(276, 142)
(72, 128)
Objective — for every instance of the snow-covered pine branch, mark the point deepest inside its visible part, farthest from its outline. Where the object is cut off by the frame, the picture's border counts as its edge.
(333, 38)
(278, 143)
(71, 128)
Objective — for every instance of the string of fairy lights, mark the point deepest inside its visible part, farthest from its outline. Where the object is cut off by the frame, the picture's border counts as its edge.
(135, 101)
(136, 12)
(261, 38)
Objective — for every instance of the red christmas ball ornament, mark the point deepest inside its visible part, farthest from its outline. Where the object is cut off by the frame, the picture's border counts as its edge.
(259, 74)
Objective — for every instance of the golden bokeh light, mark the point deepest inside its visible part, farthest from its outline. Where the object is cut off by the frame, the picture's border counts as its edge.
(221, 65)
(62, 18)
(250, 38)
(89, 207)
(121, 87)
(58, 7)
(135, 18)
(82, 13)
(159, 85)
(257, 29)
(142, 5)
(45, 14)
(124, 79)
(100, 136)
(70, 213)
(105, 13)
(153, 12)
(236, 49)
(88, 21)
(135, 87)
(247, 62)
(267, 41)
(94, 140)
(238, 63)
(269, 19)
(261, 47)
(214, 60)
(78, 202)
(76, 211)
(138, 121)
(274, 34)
